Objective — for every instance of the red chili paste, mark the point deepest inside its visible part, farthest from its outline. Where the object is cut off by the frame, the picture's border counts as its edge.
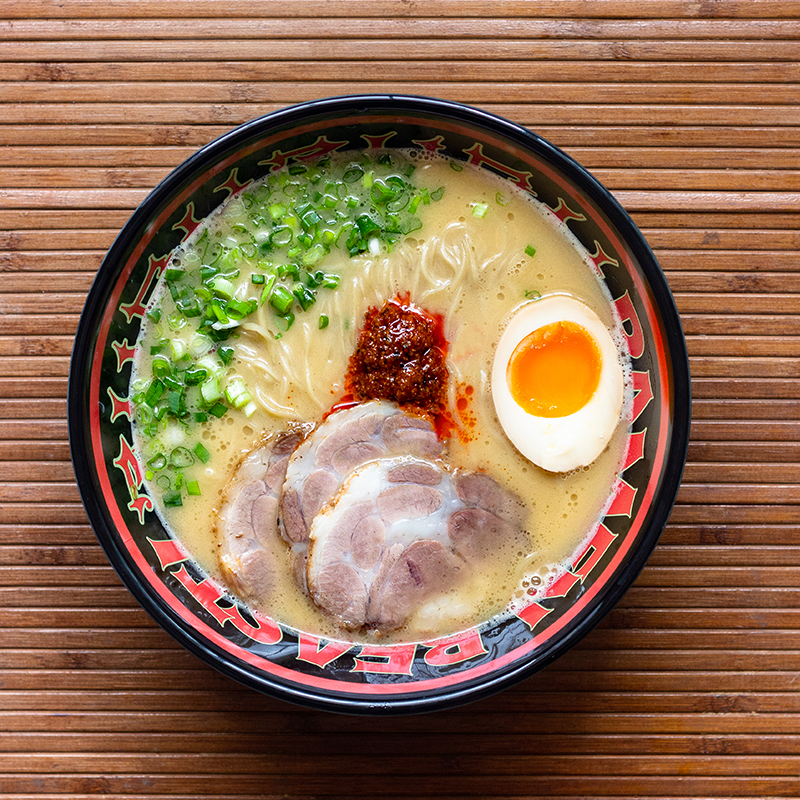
(400, 356)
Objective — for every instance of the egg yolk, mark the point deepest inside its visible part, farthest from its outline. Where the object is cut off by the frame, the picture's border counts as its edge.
(555, 370)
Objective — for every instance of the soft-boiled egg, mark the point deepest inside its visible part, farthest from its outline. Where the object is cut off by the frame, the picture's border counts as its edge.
(557, 383)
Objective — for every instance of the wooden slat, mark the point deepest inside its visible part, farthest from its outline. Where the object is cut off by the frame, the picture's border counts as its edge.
(407, 69)
(434, 26)
(599, 9)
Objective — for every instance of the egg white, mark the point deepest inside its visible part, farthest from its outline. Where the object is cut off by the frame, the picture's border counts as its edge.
(559, 444)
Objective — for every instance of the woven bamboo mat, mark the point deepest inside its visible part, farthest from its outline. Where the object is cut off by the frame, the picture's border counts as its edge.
(689, 112)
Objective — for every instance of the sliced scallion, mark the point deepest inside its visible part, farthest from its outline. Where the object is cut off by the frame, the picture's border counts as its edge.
(305, 297)
(236, 393)
(225, 355)
(157, 462)
(154, 392)
(210, 391)
(172, 499)
(181, 457)
(479, 210)
(218, 410)
(201, 452)
(221, 287)
(281, 299)
(161, 367)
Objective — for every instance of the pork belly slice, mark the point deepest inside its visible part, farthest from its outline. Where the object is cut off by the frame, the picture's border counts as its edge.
(247, 523)
(399, 533)
(346, 440)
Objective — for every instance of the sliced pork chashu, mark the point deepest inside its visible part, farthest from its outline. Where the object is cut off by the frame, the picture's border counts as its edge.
(345, 441)
(248, 544)
(401, 531)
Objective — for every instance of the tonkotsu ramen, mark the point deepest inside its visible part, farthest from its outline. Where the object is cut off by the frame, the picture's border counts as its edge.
(382, 396)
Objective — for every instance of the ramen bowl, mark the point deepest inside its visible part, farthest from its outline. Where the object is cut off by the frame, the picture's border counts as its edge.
(338, 675)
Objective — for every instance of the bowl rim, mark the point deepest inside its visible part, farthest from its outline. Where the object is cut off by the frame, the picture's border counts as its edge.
(678, 376)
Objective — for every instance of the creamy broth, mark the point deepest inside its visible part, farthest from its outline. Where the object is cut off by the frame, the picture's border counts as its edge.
(472, 270)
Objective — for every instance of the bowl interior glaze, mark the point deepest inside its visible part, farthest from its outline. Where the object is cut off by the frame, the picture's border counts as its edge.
(261, 652)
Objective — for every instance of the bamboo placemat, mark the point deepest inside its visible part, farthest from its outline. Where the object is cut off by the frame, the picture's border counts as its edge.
(689, 112)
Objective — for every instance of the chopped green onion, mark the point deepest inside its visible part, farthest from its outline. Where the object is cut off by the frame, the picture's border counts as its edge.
(236, 393)
(172, 499)
(532, 294)
(210, 391)
(479, 210)
(219, 313)
(173, 383)
(218, 410)
(281, 236)
(193, 488)
(305, 297)
(352, 173)
(330, 281)
(154, 314)
(209, 364)
(154, 392)
(310, 219)
(201, 452)
(225, 355)
(206, 273)
(257, 277)
(530, 250)
(161, 367)
(284, 322)
(381, 193)
(221, 287)
(289, 269)
(200, 416)
(195, 375)
(323, 321)
(281, 299)
(238, 309)
(314, 254)
(277, 211)
(177, 403)
(181, 457)
(179, 349)
(158, 461)
(267, 291)
(176, 321)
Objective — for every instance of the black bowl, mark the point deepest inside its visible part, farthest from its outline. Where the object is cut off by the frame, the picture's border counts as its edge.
(267, 655)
